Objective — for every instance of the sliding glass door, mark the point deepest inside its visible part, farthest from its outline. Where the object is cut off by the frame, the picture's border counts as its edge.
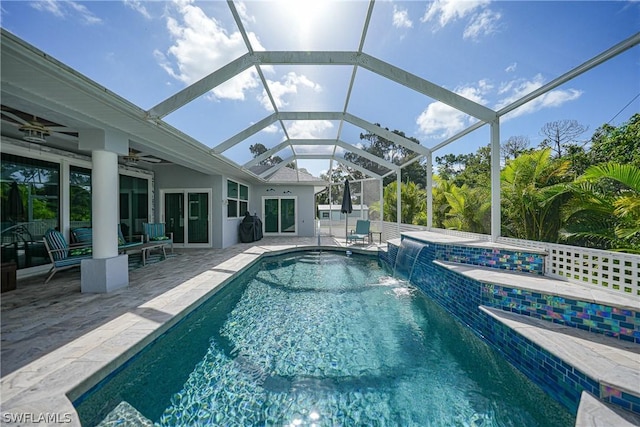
(186, 215)
(280, 215)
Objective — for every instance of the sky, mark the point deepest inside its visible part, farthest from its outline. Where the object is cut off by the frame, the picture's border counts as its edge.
(491, 52)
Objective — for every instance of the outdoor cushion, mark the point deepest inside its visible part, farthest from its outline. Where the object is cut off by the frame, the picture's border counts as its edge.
(56, 240)
(79, 251)
(154, 230)
(159, 238)
(122, 242)
(82, 234)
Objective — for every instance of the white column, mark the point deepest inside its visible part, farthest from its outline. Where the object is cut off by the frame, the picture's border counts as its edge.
(429, 191)
(399, 200)
(65, 198)
(362, 199)
(495, 180)
(381, 205)
(104, 205)
(106, 270)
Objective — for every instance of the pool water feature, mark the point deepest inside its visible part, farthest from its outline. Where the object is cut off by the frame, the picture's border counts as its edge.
(408, 253)
(319, 338)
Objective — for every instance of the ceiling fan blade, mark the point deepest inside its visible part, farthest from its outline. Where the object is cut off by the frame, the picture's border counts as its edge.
(14, 117)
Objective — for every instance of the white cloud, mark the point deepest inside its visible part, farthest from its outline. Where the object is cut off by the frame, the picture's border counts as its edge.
(446, 11)
(439, 120)
(288, 85)
(511, 68)
(67, 9)
(201, 46)
(516, 89)
(481, 24)
(138, 6)
(315, 149)
(272, 129)
(241, 7)
(480, 20)
(308, 129)
(51, 6)
(401, 18)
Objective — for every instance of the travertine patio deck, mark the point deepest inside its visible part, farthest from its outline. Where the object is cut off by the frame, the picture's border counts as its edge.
(58, 342)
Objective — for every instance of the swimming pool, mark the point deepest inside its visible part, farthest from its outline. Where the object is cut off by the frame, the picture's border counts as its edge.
(320, 338)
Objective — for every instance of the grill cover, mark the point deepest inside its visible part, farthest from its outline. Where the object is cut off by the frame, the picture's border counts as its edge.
(250, 229)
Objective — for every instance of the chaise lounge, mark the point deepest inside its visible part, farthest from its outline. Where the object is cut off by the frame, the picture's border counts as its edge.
(361, 232)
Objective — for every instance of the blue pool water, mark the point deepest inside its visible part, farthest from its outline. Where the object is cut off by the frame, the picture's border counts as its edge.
(319, 338)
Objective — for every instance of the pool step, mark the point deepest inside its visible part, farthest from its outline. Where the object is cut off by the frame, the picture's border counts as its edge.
(613, 363)
(581, 306)
(125, 415)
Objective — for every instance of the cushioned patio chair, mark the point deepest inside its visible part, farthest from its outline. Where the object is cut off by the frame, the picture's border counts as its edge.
(81, 235)
(155, 232)
(123, 244)
(84, 236)
(361, 232)
(62, 255)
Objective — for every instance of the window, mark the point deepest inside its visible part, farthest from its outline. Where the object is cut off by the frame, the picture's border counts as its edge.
(30, 194)
(237, 199)
(80, 193)
(134, 205)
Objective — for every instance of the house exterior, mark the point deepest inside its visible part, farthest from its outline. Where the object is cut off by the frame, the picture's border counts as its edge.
(107, 166)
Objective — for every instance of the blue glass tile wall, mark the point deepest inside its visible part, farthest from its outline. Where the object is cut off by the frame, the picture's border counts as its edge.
(495, 258)
(462, 296)
(598, 318)
(557, 378)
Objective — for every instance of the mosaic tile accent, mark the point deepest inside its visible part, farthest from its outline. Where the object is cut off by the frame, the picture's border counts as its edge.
(597, 318)
(502, 259)
(620, 398)
(462, 296)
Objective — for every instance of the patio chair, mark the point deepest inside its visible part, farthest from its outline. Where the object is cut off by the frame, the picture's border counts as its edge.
(84, 236)
(361, 232)
(155, 232)
(81, 235)
(123, 244)
(62, 255)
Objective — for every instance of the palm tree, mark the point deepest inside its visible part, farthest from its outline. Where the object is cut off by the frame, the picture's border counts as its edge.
(605, 208)
(469, 209)
(414, 203)
(532, 195)
(441, 186)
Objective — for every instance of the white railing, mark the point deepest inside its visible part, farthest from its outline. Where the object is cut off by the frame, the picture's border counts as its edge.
(616, 271)
(612, 270)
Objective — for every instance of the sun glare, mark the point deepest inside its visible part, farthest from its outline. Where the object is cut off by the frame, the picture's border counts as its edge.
(304, 16)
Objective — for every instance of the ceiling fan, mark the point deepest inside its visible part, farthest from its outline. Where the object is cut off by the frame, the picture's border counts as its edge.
(135, 156)
(34, 129)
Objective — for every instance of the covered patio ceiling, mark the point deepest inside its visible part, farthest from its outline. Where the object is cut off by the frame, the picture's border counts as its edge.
(33, 83)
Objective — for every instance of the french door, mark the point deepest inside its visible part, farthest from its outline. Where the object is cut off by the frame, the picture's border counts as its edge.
(186, 214)
(280, 215)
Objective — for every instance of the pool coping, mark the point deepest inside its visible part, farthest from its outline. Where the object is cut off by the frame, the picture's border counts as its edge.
(42, 392)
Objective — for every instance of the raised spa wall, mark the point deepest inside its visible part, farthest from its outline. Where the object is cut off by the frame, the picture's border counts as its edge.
(463, 297)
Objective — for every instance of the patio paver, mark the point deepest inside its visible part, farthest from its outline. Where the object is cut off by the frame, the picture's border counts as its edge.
(58, 342)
